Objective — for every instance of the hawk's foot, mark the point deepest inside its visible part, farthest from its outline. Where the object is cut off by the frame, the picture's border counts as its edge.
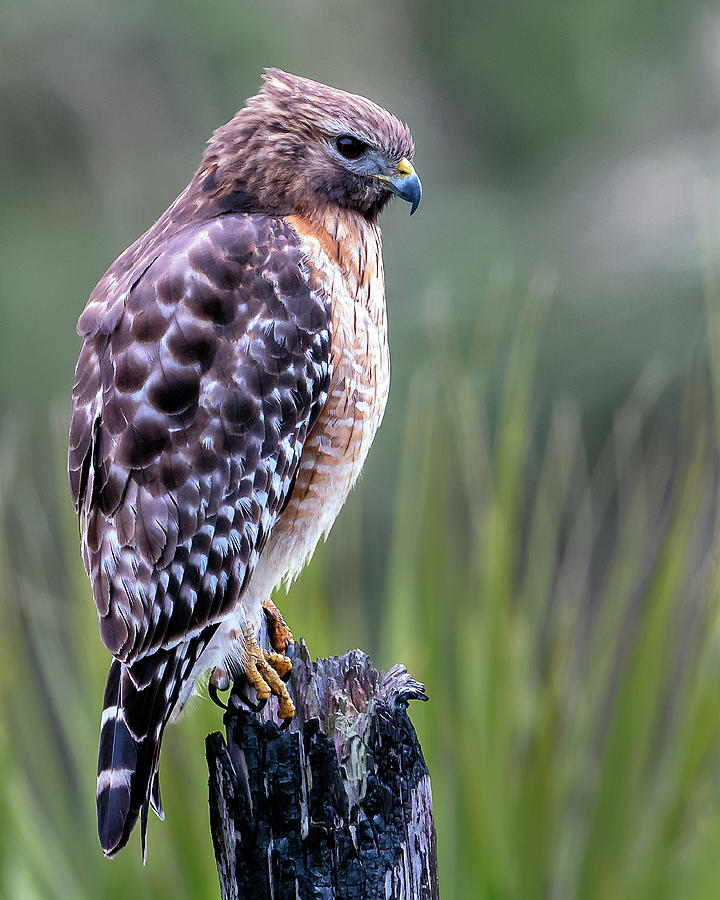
(264, 669)
(281, 637)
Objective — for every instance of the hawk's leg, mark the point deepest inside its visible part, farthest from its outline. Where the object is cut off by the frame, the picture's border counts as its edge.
(281, 637)
(263, 669)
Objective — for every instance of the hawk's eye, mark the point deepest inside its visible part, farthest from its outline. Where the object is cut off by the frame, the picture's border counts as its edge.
(350, 147)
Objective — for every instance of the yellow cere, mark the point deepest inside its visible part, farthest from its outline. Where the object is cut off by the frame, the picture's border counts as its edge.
(405, 168)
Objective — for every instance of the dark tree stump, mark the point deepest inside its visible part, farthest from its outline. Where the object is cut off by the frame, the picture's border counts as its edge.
(338, 806)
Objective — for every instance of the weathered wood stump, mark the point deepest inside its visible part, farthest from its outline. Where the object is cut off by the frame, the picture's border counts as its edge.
(338, 806)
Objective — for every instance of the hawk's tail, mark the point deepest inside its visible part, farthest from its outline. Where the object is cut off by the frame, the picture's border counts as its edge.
(136, 708)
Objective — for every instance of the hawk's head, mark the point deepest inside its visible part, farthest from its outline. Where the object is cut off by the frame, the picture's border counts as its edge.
(299, 146)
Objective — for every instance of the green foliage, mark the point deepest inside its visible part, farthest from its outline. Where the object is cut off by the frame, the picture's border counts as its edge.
(571, 738)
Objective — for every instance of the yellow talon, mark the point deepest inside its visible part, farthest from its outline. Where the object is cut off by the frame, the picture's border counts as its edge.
(263, 669)
(280, 663)
(281, 637)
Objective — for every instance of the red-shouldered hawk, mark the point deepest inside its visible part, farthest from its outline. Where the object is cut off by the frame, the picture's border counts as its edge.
(233, 374)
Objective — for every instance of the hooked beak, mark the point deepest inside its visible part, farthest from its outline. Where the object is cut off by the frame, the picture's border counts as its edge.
(404, 184)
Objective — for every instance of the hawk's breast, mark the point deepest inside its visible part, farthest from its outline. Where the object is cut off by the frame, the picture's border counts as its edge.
(345, 263)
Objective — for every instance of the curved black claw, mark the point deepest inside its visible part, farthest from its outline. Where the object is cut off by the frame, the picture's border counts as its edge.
(240, 692)
(285, 724)
(255, 707)
(213, 693)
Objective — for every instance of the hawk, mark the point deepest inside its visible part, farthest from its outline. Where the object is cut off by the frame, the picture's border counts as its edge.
(233, 373)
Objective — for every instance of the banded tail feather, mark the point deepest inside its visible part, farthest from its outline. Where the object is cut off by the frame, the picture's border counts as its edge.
(117, 767)
(138, 702)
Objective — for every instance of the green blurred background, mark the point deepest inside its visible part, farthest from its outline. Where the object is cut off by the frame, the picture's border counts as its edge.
(531, 535)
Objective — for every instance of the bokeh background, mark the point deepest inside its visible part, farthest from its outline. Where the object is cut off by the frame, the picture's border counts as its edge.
(534, 530)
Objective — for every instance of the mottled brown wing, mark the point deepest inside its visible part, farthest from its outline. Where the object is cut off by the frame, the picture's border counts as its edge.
(194, 392)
